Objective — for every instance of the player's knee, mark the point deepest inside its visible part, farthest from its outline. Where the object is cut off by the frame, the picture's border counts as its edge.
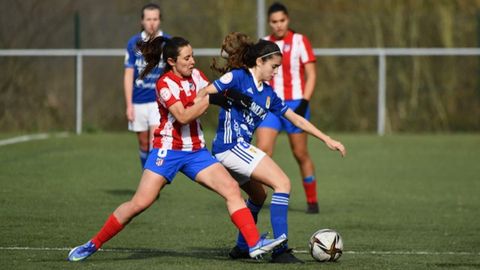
(138, 206)
(301, 155)
(230, 189)
(282, 185)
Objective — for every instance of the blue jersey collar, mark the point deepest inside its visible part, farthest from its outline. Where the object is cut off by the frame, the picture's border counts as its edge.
(258, 83)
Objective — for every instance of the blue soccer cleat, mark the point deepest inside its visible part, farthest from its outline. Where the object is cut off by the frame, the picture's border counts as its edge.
(266, 245)
(80, 253)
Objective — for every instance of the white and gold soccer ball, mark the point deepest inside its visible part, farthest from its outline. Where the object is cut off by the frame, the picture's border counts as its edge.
(326, 245)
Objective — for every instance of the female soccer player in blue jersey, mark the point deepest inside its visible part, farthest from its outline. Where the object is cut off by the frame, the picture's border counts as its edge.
(140, 97)
(179, 145)
(250, 66)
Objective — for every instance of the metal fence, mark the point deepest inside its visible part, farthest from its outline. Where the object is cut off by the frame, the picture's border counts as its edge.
(381, 53)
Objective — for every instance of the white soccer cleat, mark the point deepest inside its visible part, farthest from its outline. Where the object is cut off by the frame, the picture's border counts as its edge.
(266, 245)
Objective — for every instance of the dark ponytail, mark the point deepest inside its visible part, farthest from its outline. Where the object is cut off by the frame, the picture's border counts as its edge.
(250, 56)
(152, 53)
(160, 47)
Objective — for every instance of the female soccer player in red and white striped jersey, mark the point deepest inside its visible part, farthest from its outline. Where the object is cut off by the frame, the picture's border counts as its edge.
(294, 83)
(179, 146)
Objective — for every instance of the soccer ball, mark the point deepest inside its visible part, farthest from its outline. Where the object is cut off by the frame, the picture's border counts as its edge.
(326, 245)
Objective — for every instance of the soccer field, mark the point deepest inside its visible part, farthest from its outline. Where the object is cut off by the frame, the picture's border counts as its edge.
(399, 202)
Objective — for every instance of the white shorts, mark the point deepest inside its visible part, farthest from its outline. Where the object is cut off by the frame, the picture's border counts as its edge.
(241, 160)
(146, 115)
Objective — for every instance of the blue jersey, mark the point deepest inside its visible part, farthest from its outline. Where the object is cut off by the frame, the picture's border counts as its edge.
(238, 124)
(143, 90)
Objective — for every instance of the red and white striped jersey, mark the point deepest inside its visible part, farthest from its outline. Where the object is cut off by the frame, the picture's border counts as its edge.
(170, 134)
(289, 83)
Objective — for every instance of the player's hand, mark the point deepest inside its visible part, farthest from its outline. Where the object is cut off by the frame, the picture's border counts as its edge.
(302, 107)
(336, 146)
(130, 114)
(238, 98)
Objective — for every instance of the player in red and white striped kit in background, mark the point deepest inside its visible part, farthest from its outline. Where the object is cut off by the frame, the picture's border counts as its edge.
(294, 83)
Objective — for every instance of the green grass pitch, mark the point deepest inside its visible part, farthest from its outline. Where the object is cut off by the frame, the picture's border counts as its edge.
(399, 202)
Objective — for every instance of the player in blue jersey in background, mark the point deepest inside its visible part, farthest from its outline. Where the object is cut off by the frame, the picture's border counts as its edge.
(140, 97)
(249, 66)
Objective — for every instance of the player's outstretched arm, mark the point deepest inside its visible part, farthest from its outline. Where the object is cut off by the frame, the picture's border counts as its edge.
(308, 127)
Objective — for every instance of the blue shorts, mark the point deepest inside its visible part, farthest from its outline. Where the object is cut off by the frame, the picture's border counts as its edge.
(281, 123)
(168, 162)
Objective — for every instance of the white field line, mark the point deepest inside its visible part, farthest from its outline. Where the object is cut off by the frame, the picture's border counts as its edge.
(143, 250)
(31, 137)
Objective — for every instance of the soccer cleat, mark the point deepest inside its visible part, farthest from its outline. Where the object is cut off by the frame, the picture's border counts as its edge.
(312, 208)
(266, 245)
(237, 253)
(285, 256)
(80, 253)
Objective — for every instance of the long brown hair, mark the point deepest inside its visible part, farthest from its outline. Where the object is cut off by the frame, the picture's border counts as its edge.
(240, 52)
(233, 48)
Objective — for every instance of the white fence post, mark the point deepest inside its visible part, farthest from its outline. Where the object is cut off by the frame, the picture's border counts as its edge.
(261, 18)
(382, 95)
(79, 92)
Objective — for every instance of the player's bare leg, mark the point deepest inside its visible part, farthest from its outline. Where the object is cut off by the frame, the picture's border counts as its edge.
(143, 145)
(150, 185)
(146, 194)
(217, 178)
(270, 174)
(299, 146)
(266, 139)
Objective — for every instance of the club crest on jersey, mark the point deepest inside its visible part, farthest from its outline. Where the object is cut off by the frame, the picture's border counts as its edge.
(226, 78)
(165, 94)
(267, 103)
(192, 86)
(159, 162)
(286, 47)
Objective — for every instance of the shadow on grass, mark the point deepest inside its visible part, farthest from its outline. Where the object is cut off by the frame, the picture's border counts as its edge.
(215, 254)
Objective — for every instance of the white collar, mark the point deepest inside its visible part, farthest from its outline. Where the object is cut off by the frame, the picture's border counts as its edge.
(258, 83)
(145, 36)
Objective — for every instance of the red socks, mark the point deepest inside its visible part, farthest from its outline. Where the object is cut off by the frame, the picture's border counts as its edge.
(109, 230)
(310, 191)
(243, 219)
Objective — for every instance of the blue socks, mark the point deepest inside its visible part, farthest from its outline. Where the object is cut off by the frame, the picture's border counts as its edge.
(241, 243)
(278, 216)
